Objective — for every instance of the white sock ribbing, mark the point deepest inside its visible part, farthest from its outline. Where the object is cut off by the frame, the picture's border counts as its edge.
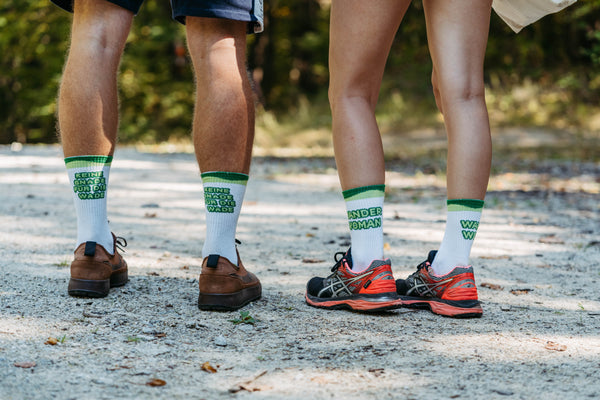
(461, 226)
(89, 178)
(364, 207)
(223, 197)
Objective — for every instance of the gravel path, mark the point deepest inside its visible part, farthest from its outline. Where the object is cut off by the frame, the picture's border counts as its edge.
(537, 260)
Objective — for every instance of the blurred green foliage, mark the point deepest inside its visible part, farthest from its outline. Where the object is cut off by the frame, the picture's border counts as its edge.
(33, 41)
(556, 59)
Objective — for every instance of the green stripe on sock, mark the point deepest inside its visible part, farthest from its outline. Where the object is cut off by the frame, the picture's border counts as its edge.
(465, 205)
(87, 161)
(227, 177)
(364, 192)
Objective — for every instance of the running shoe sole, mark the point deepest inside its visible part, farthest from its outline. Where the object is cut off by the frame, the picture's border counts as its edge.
(446, 308)
(363, 302)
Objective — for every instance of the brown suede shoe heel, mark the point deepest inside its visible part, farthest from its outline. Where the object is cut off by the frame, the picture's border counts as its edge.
(94, 271)
(225, 286)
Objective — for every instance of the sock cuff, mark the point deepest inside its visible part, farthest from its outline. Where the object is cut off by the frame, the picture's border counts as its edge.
(465, 205)
(225, 177)
(88, 161)
(364, 192)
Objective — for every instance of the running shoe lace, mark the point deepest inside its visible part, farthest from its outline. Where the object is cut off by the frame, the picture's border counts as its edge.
(415, 274)
(338, 258)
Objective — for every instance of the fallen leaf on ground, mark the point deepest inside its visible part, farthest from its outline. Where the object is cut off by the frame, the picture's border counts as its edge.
(310, 235)
(247, 385)
(551, 239)
(555, 346)
(208, 368)
(245, 318)
(492, 286)
(386, 246)
(312, 260)
(118, 367)
(247, 388)
(150, 215)
(501, 257)
(91, 315)
(518, 292)
(377, 371)
(25, 364)
(156, 382)
(51, 341)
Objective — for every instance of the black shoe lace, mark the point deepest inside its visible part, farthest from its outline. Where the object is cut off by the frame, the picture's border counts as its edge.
(120, 243)
(338, 257)
(419, 268)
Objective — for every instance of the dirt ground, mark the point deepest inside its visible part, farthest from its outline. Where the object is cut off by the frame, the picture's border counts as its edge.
(536, 259)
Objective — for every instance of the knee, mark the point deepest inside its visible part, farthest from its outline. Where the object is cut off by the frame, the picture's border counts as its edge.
(436, 92)
(458, 89)
(216, 43)
(350, 91)
(100, 26)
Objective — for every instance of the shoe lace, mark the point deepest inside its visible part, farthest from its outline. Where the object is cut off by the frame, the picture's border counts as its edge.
(120, 243)
(424, 264)
(338, 257)
(415, 275)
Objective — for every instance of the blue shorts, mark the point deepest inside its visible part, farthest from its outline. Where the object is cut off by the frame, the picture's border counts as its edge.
(238, 10)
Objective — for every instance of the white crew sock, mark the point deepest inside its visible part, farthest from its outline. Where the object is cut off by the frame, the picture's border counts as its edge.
(223, 198)
(364, 207)
(461, 226)
(89, 178)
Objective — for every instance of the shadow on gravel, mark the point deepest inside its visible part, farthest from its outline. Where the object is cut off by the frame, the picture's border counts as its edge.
(536, 260)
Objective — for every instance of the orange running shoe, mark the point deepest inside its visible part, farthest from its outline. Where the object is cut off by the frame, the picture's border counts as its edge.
(370, 290)
(451, 295)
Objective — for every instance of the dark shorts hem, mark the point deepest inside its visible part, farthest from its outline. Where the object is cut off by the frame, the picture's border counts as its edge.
(180, 15)
(236, 12)
(244, 10)
(130, 5)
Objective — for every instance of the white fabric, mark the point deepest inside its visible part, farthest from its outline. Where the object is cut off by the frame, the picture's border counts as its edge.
(461, 227)
(258, 12)
(366, 244)
(92, 220)
(520, 13)
(221, 226)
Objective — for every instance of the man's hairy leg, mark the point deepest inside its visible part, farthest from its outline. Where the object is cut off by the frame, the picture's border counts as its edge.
(223, 126)
(88, 112)
(224, 115)
(88, 105)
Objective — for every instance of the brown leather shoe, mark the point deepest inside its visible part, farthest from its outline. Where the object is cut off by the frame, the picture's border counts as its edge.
(225, 286)
(94, 271)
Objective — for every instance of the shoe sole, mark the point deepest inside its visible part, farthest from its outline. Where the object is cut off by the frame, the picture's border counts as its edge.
(229, 301)
(96, 288)
(370, 303)
(446, 308)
